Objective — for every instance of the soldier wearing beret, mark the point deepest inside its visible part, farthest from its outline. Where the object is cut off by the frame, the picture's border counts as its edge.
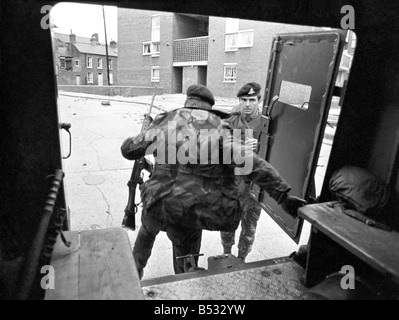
(156, 193)
(184, 197)
(246, 116)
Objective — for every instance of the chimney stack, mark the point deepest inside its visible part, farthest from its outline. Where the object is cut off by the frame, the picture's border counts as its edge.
(94, 39)
(72, 38)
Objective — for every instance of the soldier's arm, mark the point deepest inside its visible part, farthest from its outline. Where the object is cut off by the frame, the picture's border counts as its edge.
(135, 147)
(254, 167)
(260, 172)
(267, 177)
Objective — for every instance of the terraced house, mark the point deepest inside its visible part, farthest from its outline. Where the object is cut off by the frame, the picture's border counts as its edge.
(82, 61)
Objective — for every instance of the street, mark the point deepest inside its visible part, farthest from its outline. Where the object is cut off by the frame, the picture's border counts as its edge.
(96, 177)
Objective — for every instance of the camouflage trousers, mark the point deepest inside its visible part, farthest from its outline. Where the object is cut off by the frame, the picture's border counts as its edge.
(185, 241)
(249, 221)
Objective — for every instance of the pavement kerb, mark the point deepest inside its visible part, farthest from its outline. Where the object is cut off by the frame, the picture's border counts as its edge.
(97, 97)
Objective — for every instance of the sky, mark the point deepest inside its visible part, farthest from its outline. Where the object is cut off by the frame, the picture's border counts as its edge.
(85, 19)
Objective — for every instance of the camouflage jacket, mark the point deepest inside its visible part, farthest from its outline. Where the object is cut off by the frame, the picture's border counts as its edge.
(196, 183)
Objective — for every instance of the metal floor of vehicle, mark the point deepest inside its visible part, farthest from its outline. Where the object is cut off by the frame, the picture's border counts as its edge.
(227, 278)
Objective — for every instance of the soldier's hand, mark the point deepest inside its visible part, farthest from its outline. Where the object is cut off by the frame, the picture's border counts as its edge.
(291, 205)
(252, 143)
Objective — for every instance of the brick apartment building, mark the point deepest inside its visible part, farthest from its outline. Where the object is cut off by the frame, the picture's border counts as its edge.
(82, 61)
(173, 51)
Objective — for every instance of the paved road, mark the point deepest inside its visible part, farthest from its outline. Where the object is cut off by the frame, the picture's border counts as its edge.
(96, 176)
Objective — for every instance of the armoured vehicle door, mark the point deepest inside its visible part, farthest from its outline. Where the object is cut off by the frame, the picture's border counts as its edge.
(300, 83)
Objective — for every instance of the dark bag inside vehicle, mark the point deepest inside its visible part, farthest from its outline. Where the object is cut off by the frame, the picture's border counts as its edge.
(359, 190)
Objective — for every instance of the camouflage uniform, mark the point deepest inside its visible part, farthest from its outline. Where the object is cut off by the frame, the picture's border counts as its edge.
(183, 199)
(251, 208)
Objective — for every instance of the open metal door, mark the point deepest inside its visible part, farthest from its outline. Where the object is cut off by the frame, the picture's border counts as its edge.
(300, 82)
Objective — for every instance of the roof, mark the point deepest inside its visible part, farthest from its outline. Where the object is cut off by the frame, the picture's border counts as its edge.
(98, 49)
(65, 38)
(84, 46)
(64, 52)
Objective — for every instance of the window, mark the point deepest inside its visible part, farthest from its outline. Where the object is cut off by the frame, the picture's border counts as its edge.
(155, 28)
(155, 48)
(110, 63)
(89, 62)
(295, 94)
(154, 74)
(99, 63)
(241, 39)
(146, 48)
(231, 42)
(246, 38)
(230, 72)
(62, 63)
(152, 48)
(90, 77)
(236, 38)
(68, 64)
(76, 63)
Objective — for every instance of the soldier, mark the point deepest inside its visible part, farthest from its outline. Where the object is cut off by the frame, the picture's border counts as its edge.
(188, 192)
(246, 117)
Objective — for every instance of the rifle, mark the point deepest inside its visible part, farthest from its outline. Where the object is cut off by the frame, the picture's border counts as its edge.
(136, 178)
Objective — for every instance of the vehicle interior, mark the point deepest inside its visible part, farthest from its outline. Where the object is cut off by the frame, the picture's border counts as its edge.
(34, 218)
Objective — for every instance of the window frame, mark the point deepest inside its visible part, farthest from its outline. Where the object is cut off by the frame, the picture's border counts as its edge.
(62, 63)
(68, 64)
(99, 63)
(239, 40)
(155, 29)
(92, 77)
(153, 79)
(153, 52)
(240, 44)
(89, 62)
(147, 43)
(225, 67)
(231, 48)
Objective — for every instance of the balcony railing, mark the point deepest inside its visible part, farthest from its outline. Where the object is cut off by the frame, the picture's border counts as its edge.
(190, 50)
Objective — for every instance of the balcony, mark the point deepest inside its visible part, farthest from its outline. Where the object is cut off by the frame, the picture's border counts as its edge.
(190, 51)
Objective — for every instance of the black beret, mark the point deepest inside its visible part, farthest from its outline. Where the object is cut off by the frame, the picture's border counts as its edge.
(249, 89)
(201, 92)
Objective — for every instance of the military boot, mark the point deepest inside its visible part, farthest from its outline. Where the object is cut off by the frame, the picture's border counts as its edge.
(242, 255)
(226, 249)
